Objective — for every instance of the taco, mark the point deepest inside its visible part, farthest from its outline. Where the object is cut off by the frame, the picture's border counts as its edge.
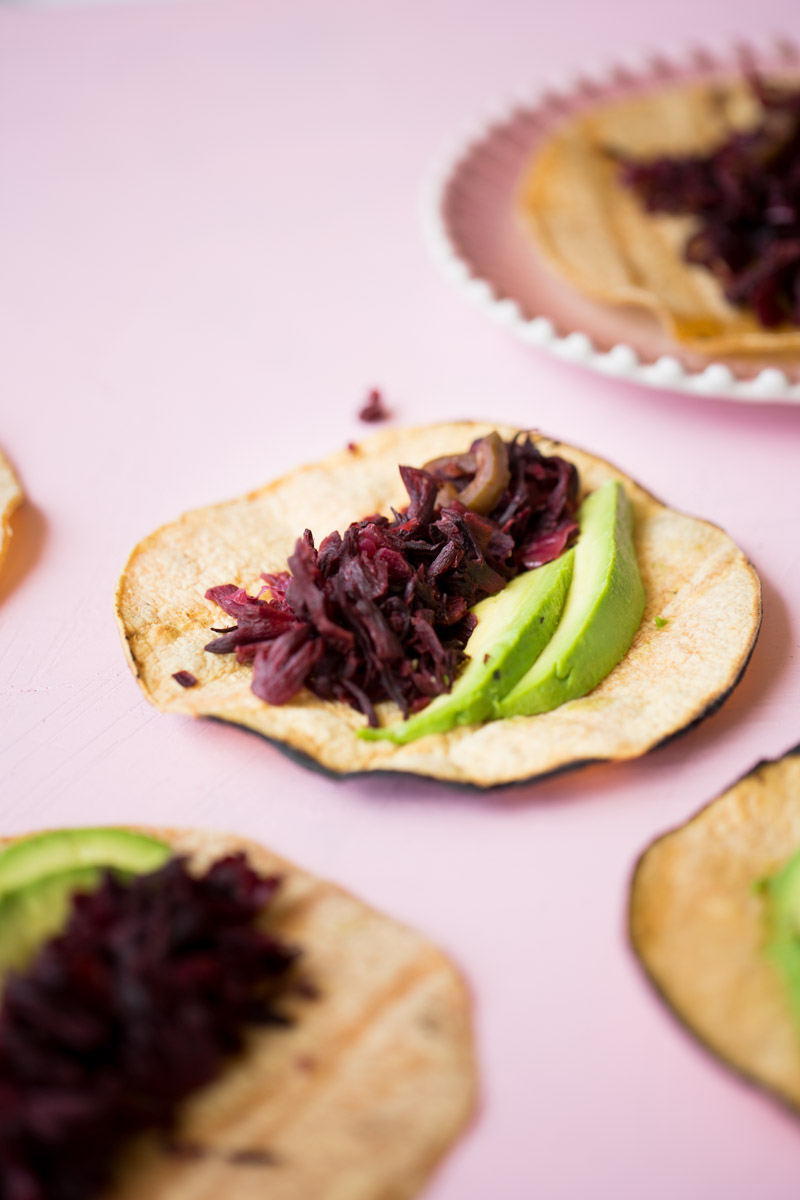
(701, 619)
(10, 499)
(653, 200)
(700, 924)
(357, 1077)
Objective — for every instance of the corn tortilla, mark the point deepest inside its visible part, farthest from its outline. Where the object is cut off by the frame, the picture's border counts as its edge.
(10, 499)
(595, 232)
(697, 924)
(360, 1097)
(695, 578)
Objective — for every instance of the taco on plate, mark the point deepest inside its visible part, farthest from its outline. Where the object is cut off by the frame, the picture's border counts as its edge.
(681, 200)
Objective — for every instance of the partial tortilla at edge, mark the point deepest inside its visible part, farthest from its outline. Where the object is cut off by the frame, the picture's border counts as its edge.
(10, 499)
(697, 924)
(695, 579)
(595, 232)
(360, 1097)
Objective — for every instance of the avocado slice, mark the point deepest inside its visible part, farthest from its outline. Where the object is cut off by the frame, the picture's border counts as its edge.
(33, 913)
(603, 610)
(40, 874)
(513, 628)
(782, 901)
(31, 858)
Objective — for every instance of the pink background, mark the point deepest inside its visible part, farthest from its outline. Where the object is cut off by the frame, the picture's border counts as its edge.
(209, 251)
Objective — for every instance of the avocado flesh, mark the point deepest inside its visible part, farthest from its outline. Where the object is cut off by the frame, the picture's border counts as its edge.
(39, 876)
(782, 892)
(603, 610)
(32, 914)
(32, 858)
(513, 628)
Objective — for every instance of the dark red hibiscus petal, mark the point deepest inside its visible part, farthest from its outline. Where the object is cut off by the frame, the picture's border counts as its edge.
(381, 611)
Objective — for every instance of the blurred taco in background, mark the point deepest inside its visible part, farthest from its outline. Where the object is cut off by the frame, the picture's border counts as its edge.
(10, 500)
(184, 1013)
(683, 200)
(715, 922)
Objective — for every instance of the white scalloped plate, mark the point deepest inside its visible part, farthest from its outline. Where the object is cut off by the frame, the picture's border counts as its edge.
(477, 239)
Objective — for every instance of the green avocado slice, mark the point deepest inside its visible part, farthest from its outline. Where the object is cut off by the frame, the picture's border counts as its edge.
(33, 913)
(40, 874)
(513, 628)
(31, 858)
(782, 895)
(602, 613)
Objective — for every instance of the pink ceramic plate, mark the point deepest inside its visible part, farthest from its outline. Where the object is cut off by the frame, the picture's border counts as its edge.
(478, 240)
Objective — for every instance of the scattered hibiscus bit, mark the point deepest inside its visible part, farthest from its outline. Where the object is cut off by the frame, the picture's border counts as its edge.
(185, 678)
(746, 195)
(381, 612)
(661, 622)
(139, 1002)
(374, 408)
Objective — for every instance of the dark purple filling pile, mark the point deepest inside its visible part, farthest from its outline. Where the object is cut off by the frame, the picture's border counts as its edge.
(381, 612)
(747, 196)
(138, 1003)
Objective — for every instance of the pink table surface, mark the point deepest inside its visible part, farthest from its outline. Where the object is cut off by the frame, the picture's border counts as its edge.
(209, 251)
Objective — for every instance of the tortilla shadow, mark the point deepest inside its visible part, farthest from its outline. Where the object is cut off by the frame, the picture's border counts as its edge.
(311, 764)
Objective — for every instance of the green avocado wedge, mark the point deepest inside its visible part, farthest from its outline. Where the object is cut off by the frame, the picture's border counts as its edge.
(39, 875)
(782, 897)
(32, 914)
(31, 858)
(513, 628)
(603, 610)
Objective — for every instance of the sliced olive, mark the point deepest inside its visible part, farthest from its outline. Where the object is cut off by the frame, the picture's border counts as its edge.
(491, 477)
(451, 466)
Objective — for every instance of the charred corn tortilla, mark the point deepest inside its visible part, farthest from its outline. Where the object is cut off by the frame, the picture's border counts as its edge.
(694, 576)
(595, 232)
(10, 499)
(697, 923)
(360, 1097)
